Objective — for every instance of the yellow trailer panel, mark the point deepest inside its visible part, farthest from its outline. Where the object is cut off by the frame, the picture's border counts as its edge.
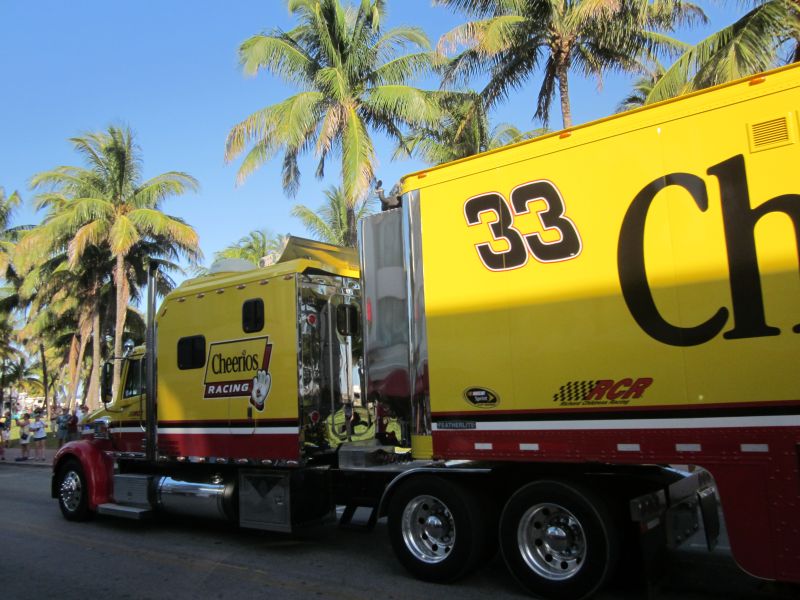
(615, 259)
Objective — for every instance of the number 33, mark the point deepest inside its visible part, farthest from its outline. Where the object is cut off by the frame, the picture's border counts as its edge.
(519, 245)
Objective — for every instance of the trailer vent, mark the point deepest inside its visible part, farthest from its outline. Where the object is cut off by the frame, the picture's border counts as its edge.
(771, 134)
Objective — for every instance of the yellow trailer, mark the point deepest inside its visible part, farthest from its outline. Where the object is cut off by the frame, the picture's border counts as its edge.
(625, 292)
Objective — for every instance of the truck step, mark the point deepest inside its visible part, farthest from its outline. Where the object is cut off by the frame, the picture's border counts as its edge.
(126, 512)
(346, 520)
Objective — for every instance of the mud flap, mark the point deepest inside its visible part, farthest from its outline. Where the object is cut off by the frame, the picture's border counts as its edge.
(709, 510)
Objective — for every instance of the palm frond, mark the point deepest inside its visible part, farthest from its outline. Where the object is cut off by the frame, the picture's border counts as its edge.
(744, 48)
(279, 53)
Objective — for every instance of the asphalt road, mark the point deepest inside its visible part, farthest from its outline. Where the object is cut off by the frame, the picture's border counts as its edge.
(42, 556)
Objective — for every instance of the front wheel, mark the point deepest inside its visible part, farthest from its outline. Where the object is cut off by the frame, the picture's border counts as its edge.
(437, 528)
(558, 540)
(73, 492)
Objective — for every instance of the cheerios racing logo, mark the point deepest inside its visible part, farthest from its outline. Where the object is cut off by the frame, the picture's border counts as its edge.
(238, 368)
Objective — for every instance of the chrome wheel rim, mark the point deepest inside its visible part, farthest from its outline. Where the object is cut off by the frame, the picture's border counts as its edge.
(551, 541)
(71, 491)
(428, 528)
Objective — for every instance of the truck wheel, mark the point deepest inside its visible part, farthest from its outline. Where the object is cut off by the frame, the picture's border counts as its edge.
(436, 529)
(558, 540)
(73, 491)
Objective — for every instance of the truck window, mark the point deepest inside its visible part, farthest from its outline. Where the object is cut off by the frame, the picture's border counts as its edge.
(253, 315)
(192, 352)
(134, 382)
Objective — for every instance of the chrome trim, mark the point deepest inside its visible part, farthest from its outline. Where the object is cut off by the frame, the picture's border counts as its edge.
(70, 491)
(551, 541)
(101, 428)
(417, 321)
(385, 282)
(326, 360)
(428, 529)
(196, 498)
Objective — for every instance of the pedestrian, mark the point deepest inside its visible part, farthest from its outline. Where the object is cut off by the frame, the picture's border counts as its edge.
(5, 432)
(72, 426)
(39, 432)
(62, 427)
(24, 435)
(83, 424)
(53, 415)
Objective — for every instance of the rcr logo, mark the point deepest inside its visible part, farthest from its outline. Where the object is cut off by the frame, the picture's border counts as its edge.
(739, 222)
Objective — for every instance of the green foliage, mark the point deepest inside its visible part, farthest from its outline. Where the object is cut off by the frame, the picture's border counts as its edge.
(511, 39)
(254, 246)
(748, 46)
(102, 218)
(354, 79)
(8, 234)
(330, 223)
(463, 131)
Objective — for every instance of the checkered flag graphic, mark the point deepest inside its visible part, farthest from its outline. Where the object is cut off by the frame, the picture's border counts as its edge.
(574, 391)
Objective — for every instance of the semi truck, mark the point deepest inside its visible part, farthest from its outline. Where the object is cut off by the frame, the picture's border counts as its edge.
(571, 350)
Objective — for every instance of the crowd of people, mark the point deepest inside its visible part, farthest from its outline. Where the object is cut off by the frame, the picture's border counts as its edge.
(32, 431)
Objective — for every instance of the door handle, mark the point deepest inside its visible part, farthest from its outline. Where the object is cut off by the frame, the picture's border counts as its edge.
(249, 412)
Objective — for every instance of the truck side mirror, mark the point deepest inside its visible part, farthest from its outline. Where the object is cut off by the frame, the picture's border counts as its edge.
(106, 382)
(347, 319)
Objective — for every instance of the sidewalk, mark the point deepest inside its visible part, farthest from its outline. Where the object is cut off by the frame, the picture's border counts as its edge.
(13, 453)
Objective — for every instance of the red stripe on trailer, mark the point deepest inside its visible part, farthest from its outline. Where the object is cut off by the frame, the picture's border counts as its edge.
(754, 468)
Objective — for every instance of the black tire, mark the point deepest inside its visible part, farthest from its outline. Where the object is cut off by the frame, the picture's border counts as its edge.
(73, 492)
(437, 528)
(559, 540)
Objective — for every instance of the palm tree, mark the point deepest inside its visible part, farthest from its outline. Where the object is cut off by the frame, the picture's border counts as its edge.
(24, 373)
(7, 233)
(463, 131)
(592, 37)
(354, 80)
(652, 72)
(750, 45)
(254, 246)
(107, 205)
(73, 295)
(8, 351)
(331, 223)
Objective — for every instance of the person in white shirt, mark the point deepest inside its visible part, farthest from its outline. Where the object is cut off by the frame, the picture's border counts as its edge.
(39, 433)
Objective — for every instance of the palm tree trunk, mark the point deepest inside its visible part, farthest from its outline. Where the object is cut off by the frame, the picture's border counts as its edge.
(351, 238)
(94, 380)
(93, 389)
(123, 295)
(58, 380)
(75, 369)
(72, 357)
(3, 385)
(44, 382)
(563, 89)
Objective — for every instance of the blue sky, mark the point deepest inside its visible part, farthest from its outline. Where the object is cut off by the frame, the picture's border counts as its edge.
(168, 68)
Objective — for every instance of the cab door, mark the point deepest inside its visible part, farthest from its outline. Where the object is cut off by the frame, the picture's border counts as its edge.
(128, 414)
